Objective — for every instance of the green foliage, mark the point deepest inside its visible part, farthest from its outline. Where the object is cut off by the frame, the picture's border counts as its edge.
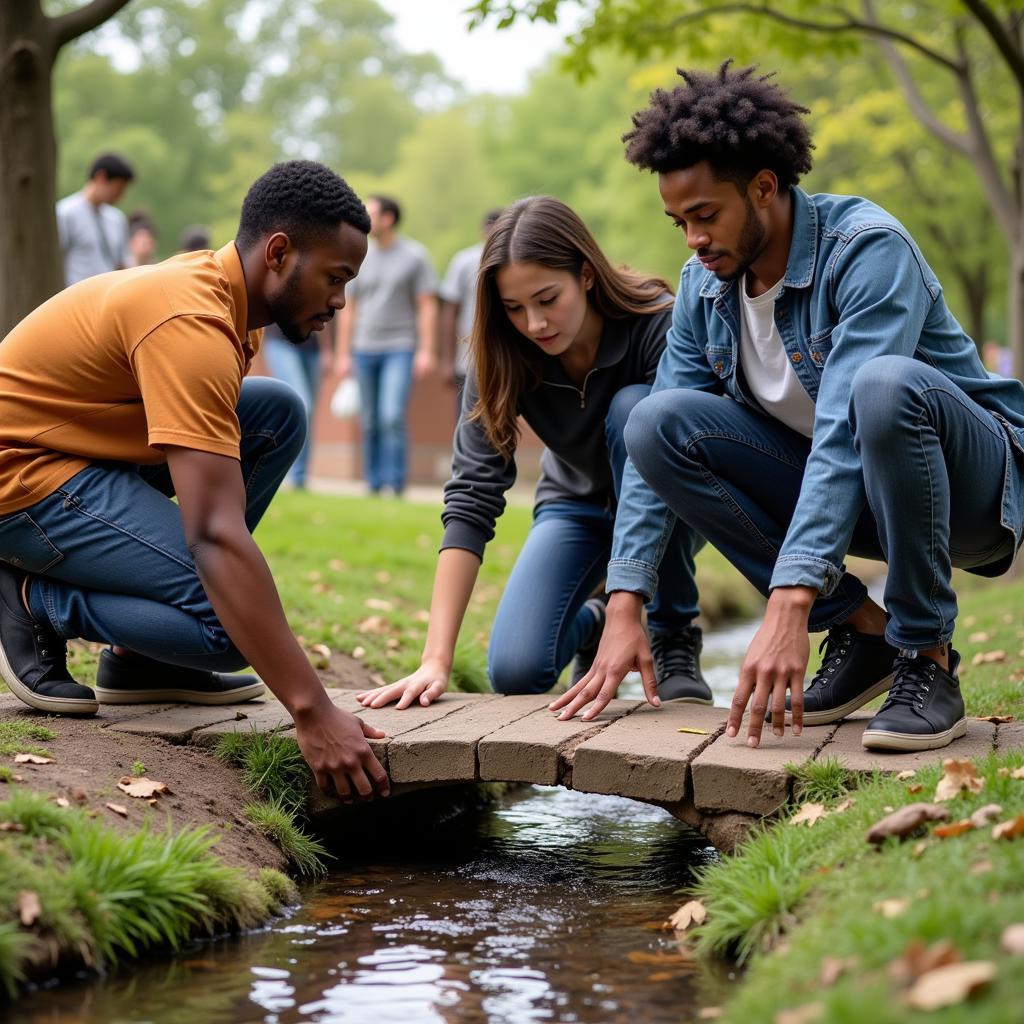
(14, 734)
(305, 853)
(272, 767)
(138, 768)
(821, 781)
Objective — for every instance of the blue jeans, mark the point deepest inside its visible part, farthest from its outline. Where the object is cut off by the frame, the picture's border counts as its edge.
(385, 380)
(299, 367)
(107, 549)
(933, 464)
(540, 623)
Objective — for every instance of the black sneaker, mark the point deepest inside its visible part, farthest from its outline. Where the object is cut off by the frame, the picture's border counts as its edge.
(856, 668)
(33, 659)
(135, 679)
(584, 659)
(677, 666)
(924, 709)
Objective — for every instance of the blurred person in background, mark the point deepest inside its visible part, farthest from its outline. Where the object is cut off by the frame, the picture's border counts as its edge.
(458, 303)
(194, 238)
(92, 232)
(142, 238)
(387, 333)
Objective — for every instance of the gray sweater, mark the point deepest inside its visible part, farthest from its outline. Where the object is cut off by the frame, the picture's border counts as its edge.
(567, 417)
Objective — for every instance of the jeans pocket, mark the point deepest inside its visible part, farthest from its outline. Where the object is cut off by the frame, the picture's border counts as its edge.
(24, 544)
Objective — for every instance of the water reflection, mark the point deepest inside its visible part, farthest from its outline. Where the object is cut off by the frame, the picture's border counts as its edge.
(528, 912)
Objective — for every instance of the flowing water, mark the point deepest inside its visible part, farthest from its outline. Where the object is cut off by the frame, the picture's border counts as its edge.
(544, 907)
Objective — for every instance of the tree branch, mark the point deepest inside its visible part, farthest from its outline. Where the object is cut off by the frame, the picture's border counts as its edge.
(1005, 43)
(849, 24)
(66, 27)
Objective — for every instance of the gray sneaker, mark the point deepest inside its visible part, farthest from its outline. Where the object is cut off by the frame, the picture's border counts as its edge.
(677, 666)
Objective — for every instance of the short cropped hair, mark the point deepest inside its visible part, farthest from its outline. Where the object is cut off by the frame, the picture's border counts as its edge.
(389, 205)
(738, 122)
(113, 166)
(302, 198)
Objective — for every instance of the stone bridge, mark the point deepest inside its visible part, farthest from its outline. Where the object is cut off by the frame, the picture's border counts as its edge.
(677, 756)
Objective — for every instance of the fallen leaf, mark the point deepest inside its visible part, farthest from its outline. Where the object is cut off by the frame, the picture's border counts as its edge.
(32, 759)
(844, 806)
(659, 958)
(62, 801)
(1003, 773)
(980, 867)
(322, 654)
(949, 985)
(688, 914)
(661, 976)
(695, 732)
(890, 908)
(1017, 774)
(834, 967)
(918, 959)
(11, 826)
(905, 822)
(1009, 829)
(957, 776)
(118, 809)
(919, 848)
(809, 814)
(29, 907)
(956, 828)
(377, 604)
(142, 788)
(995, 719)
(983, 815)
(979, 638)
(1012, 939)
(801, 1014)
(358, 652)
(907, 773)
(988, 657)
(915, 788)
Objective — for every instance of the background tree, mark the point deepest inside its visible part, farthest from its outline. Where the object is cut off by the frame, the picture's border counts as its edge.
(975, 47)
(30, 41)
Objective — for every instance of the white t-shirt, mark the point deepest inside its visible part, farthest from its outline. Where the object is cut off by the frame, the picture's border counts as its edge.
(93, 240)
(770, 377)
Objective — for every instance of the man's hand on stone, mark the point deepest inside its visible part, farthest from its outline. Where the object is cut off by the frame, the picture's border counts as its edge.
(623, 649)
(776, 661)
(333, 742)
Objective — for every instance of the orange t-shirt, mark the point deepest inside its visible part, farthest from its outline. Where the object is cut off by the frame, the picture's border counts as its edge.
(120, 364)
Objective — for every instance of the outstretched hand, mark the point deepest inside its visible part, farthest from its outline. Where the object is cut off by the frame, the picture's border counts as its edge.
(624, 648)
(333, 743)
(424, 686)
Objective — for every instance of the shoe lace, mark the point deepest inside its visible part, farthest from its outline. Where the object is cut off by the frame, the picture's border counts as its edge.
(833, 650)
(675, 653)
(912, 679)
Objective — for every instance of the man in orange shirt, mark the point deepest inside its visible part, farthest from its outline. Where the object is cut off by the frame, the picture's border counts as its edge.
(130, 387)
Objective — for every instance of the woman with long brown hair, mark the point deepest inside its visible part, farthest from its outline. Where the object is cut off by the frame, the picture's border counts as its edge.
(571, 344)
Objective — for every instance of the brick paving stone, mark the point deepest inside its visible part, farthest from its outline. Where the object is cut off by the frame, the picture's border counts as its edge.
(269, 716)
(531, 749)
(1010, 736)
(446, 750)
(846, 746)
(398, 723)
(644, 755)
(180, 721)
(730, 776)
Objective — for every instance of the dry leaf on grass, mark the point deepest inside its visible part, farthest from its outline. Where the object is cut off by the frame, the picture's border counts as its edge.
(949, 985)
(11, 826)
(980, 637)
(988, 657)
(915, 788)
(890, 908)
(62, 801)
(1017, 773)
(29, 907)
(32, 759)
(834, 967)
(374, 624)
(1009, 829)
(378, 605)
(142, 788)
(844, 806)
(118, 809)
(687, 915)
(905, 822)
(907, 773)
(358, 652)
(957, 776)
(918, 959)
(801, 1014)
(956, 828)
(1012, 939)
(809, 814)
(983, 815)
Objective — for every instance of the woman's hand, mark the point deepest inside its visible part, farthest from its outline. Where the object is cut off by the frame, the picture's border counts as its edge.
(424, 686)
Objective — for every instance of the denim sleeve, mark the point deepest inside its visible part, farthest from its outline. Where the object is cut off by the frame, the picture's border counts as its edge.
(474, 497)
(882, 298)
(643, 522)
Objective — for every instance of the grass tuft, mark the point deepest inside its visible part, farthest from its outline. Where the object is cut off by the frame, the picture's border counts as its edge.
(272, 767)
(304, 852)
(821, 781)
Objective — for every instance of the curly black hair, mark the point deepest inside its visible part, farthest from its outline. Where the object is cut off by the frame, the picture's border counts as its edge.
(739, 123)
(302, 198)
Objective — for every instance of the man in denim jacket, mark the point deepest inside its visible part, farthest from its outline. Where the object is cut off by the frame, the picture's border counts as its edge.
(816, 398)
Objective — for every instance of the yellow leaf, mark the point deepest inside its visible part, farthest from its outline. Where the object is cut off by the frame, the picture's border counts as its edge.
(688, 914)
(32, 759)
(29, 907)
(949, 985)
(696, 732)
(141, 788)
(957, 776)
(809, 814)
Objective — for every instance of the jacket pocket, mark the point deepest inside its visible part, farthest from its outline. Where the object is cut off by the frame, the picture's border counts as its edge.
(24, 544)
(720, 360)
(819, 345)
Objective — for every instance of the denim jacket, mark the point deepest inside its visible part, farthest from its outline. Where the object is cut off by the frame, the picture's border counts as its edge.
(856, 287)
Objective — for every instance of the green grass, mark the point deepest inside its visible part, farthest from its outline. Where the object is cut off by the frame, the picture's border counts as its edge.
(106, 897)
(138, 769)
(13, 737)
(305, 853)
(819, 781)
(818, 885)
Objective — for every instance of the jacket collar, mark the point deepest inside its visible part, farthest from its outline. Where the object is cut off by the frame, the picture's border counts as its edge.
(231, 264)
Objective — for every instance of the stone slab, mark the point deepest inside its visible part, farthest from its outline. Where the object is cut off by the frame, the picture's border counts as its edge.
(644, 755)
(1010, 737)
(531, 750)
(399, 723)
(269, 716)
(730, 776)
(845, 745)
(446, 750)
(180, 721)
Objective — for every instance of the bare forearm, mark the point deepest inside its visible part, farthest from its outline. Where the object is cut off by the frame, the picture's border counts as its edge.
(454, 579)
(427, 324)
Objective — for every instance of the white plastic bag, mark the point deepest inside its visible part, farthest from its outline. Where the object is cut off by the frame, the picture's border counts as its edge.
(345, 400)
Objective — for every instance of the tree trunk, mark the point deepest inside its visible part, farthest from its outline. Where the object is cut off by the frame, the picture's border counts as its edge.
(1015, 309)
(974, 287)
(29, 251)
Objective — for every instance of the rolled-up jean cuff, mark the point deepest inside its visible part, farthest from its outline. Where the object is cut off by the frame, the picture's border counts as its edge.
(635, 577)
(799, 571)
(939, 640)
(818, 624)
